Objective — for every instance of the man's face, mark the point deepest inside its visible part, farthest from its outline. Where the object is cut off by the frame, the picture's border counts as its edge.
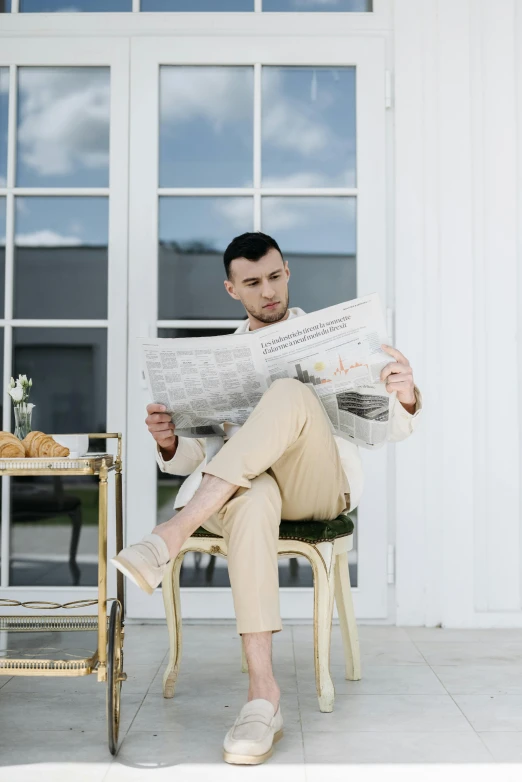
(261, 286)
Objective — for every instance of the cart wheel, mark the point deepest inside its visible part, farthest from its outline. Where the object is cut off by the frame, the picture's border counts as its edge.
(115, 675)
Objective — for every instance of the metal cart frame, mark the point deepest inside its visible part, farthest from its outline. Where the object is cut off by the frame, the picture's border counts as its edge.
(107, 660)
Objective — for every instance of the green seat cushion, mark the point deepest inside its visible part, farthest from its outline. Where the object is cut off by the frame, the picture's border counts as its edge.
(307, 531)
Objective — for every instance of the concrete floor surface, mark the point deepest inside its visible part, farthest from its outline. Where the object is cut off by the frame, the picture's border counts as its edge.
(432, 704)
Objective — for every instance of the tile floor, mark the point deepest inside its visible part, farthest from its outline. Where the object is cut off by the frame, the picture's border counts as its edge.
(433, 704)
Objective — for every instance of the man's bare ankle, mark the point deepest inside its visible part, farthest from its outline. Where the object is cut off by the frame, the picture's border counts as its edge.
(272, 694)
(173, 541)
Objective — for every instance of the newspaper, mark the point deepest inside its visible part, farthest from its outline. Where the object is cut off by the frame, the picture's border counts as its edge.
(206, 382)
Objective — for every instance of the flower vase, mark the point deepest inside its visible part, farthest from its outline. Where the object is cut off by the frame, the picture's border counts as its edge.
(23, 413)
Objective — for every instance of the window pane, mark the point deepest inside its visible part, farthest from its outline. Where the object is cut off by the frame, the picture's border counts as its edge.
(49, 516)
(2, 256)
(194, 233)
(168, 486)
(4, 101)
(5, 6)
(68, 367)
(308, 127)
(206, 126)
(205, 570)
(63, 127)
(69, 372)
(201, 570)
(71, 6)
(317, 237)
(61, 253)
(197, 5)
(317, 5)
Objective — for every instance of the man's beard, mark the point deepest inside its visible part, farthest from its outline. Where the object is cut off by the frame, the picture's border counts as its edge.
(266, 316)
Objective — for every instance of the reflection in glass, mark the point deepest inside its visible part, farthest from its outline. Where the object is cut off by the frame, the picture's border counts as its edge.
(197, 5)
(194, 232)
(60, 268)
(69, 371)
(54, 519)
(5, 6)
(203, 570)
(317, 237)
(197, 569)
(318, 5)
(2, 255)
(63, 127)
(206, 126)
(308, 127)
(4, 105)
(43, 645)
(74, 6)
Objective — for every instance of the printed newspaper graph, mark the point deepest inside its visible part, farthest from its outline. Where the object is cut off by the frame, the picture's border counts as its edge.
(305, 377)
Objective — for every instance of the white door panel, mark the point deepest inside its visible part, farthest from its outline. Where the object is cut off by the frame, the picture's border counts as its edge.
(366, 55)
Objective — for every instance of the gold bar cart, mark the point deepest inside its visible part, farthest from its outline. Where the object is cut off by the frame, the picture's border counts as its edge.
(107, 659)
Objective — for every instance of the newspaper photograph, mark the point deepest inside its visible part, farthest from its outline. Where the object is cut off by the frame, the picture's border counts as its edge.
(205, 382)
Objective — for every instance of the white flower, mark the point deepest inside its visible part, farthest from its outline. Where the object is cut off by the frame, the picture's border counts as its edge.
(12, 383)
(30, 406)
(17, 393)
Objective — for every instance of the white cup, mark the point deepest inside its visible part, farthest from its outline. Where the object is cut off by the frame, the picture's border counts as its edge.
(78, 444)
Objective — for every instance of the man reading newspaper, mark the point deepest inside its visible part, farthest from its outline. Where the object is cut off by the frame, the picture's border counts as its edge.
(284, 462)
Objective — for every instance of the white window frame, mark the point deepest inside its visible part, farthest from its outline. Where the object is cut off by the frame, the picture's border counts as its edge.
(367, 53)
(145, 23)
(49, 51)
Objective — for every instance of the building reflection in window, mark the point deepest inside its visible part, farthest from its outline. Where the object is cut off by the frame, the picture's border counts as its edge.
(54, 519)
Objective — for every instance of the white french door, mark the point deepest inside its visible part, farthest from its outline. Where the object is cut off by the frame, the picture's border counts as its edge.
(64, 225)
(237, 133)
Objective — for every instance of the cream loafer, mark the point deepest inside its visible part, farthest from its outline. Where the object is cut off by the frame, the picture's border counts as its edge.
(251, 738)
(144, 562)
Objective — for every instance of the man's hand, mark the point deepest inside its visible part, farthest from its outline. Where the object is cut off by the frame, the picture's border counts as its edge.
(398, 376)
(162, 429)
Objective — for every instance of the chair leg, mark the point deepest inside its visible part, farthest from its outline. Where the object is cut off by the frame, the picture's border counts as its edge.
(172, 603)
(209, 571)
(323, 610)
(350, 636)
(76, 521)
(244, 664)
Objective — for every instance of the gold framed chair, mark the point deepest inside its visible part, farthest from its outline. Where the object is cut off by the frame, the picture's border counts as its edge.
(325, 544)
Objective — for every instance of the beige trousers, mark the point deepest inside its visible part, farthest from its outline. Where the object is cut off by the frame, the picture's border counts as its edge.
(286, 463)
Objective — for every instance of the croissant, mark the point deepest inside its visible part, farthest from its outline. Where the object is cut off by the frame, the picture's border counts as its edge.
(38, 444)
(31, 443)
(10, 446)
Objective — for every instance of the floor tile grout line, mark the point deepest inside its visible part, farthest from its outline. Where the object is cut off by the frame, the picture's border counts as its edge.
(300, 695)
(454, 701)
(298, 699)
(486, 746)
(122, 738)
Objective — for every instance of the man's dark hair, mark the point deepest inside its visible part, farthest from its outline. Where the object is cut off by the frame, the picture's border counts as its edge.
(252, 246)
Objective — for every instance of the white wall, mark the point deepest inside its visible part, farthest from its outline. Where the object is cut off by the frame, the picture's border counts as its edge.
(458, 250)
(455, 200)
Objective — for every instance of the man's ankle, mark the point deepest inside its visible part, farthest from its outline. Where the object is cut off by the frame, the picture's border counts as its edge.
(171, 536)
(270, 693)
